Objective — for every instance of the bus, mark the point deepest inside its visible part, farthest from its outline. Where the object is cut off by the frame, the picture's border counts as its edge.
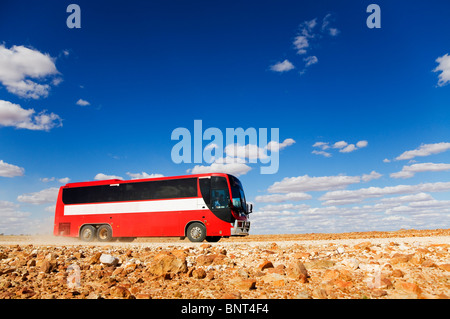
(200, 207)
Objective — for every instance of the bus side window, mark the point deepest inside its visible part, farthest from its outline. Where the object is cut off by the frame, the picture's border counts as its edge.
(205, 189)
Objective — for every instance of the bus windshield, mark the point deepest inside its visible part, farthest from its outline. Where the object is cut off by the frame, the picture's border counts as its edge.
(237, 194)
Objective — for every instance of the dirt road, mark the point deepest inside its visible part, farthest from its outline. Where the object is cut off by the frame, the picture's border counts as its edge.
(403, 264)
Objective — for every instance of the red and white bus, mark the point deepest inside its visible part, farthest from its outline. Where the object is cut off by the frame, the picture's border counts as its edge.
(203, 206)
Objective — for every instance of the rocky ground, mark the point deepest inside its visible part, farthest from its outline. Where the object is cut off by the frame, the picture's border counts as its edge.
(399, 265)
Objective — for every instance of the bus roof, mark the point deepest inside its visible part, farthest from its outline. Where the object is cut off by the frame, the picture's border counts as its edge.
(120, 181)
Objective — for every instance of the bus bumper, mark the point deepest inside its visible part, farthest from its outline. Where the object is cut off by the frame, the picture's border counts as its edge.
(240, 228)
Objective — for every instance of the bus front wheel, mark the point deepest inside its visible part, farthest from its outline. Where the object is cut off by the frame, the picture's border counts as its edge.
(196, 232)
(87, 233)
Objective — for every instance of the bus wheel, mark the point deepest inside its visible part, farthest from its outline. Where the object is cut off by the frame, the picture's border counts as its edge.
(87, 233)
(104, 233)
(196, 232)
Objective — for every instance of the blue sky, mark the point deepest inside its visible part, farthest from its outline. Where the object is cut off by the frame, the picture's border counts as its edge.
(104, 99)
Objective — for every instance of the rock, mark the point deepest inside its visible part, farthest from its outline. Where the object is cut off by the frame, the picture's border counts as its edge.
(231, 295)
(297, 270)
(199, 273)
(271, 278)
(243, 273)
(320, 293)
(428, 263)
(408, 287)
(342, 283)
(205, 246)
(120, 292)
(445, 267)
(320, 264)
(352, 263)
(364, 245)
(108, 260)
(206, 260)
(95, 258)
(167, 263)
(266, 264)
(301, 255)
(46, 266)
(400, 258)
(277, 270)
(245, 284)
(378, 293)
(397, 273)
(330, 274)
(303, 295)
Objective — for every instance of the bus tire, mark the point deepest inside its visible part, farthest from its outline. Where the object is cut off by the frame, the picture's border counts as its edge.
(104, 233)
(196, 232)
(88, 233)
(213, 239)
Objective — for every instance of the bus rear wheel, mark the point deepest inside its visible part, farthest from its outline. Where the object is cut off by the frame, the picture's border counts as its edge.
(104, 233)
(88, 233)
(196, 232)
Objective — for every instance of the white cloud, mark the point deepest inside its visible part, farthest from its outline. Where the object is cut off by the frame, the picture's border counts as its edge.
(279, 198)
(12, 220)
(282, 66)
(228, 165)
(10, 170)
(322, 145)
(236, 155)
(334, 32)
(64, 180)
(343, 147)
(282, 207)
(327, 20)
(301, 44)
(306, 183)
(360, 195)
(409, 171)
(349, 148)
(143, 175)
(326, 154)
(101, 177)
(444, 68)
(371, 176)
(18, 64)
(274, 146)
(44, 196)
(362, 144)
(407, 198)
(308, 33)
(252, 151)
(340, 144)
(311, 60)
(415, 211)
(424, 150)
(14, 115)
(82, 102)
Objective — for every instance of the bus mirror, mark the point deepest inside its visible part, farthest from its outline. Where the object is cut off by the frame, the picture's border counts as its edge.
(249, 208)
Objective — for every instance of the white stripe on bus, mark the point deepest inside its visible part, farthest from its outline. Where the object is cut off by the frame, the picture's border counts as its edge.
(136, 207)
